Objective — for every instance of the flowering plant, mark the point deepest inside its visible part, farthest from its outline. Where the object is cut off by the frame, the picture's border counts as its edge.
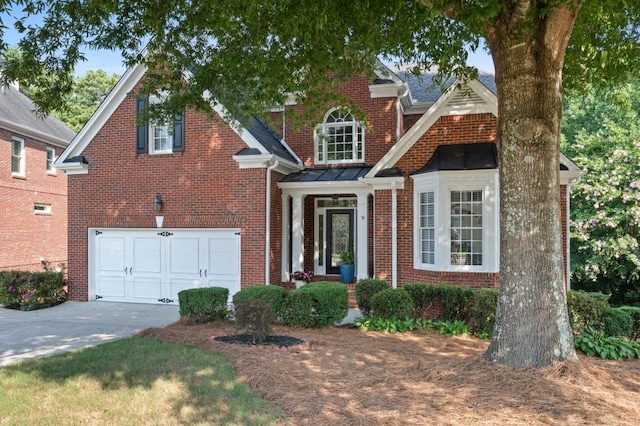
(302, 276)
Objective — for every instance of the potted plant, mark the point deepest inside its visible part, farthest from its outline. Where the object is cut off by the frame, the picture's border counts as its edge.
(347, 267)
(301, 278)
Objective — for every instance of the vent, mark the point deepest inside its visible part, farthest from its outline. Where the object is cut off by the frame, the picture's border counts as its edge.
(42, 209)
(465, 98)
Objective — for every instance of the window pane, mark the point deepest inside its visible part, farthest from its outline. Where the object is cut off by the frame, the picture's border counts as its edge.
(341, 138)
(427, 227)
(466, 227)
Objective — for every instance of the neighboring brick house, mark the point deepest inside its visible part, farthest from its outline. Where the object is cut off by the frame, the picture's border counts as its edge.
(33, 195)
(156, 209)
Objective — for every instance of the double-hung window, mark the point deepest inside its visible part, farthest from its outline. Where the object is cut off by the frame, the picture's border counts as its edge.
(340, 139)
(17, 157)
(51, 156)
(160, 135)
(456, 221)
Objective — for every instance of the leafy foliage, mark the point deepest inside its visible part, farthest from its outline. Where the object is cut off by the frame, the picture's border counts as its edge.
(365, 289)
(392, 303)
(298, 308)
(482, 313)
(634, 312)
(28, 291)
(423, 296)
(273, 295)
(593, 342)
(452, 328)
(617, 322)
(254, 316)
(392, 325)
(329, 303)
(204, 304)
(585, 311)
(456, 302)
(602, 135)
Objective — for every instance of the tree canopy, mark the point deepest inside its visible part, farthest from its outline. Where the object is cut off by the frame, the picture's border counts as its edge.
(250, 54)
(601, 133)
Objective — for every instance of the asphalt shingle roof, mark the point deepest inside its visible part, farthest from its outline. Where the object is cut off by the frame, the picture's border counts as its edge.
(269, 139)
(19, 109)
(424, 90)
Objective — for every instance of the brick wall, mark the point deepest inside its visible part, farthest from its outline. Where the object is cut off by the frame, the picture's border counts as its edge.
(26, 238)
(201, 187)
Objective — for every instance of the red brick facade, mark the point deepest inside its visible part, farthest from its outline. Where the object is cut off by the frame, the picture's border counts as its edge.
(27, 238)
(204, 187)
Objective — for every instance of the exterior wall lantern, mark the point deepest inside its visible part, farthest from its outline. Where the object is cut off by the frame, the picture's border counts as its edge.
(157, 203)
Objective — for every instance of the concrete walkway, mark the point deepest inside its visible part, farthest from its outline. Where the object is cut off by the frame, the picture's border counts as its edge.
(75, 325)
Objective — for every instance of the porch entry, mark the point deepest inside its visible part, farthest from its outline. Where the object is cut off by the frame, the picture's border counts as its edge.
(335, 233)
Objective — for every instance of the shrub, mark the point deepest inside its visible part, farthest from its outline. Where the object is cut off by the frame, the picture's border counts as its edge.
(455, 302)
(423, 296)
(392, 325)
(594, 342)
(272, 294)
(297, 309)
(330, 302)
(255, 317)
(585, 311)
(392, 303)
(617, 323)
(32, 290)
(204, 304)
(452, 328)
(634, 311)
(482, 313)
(365, 289)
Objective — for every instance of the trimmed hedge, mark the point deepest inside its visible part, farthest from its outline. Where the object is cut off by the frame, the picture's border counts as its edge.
(617, 323)
(585, 311)
(28, 291)
(330, 302)
(392, 303)
(456, 302)
(298, 309)
(482, 313)
(204, 304)
(634, 312)
(273, 295)
(423, 296)
(365, 289)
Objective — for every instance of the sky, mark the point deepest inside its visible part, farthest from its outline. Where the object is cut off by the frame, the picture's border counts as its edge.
(112, 62)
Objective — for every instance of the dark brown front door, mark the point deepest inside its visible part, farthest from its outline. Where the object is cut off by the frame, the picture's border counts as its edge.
(339, 237)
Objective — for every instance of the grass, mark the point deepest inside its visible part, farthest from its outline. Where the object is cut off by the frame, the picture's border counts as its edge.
(133, 381)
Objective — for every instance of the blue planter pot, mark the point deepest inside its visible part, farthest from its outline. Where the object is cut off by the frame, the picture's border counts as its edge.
(347, 273)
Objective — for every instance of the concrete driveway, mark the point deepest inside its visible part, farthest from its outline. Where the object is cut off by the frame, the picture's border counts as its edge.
(75, 325)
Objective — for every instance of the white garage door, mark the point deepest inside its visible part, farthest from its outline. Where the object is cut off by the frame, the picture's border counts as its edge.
(153, 265)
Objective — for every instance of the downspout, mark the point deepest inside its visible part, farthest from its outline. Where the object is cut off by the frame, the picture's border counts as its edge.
(267, 231)
(568, 231)
(394, 235)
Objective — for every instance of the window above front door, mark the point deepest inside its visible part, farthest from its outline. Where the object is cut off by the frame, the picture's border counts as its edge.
(340, 139)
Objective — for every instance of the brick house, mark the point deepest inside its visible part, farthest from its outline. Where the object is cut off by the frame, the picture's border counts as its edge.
(159, 208)
(33, 195)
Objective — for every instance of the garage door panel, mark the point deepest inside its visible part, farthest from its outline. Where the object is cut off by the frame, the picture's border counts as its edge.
(143, 266)
(111, 254)
(147, 254)
(177, 285)
(111, 286)
(147, 288)
(184, 255)
(224, 258)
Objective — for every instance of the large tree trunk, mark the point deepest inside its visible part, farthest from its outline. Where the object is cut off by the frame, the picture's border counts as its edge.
(532, 324)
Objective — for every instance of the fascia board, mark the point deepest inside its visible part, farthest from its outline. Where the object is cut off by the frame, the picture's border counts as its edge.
(75, 168)
(381, 183)
(386, 90)
(103, 113)
(35, 134)
(328, 187)
(260, 162)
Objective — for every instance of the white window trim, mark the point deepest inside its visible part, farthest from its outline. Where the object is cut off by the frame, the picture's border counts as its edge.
(442, 183)
(22, 172)
(152, 128)
(321, 130)
(52, 170)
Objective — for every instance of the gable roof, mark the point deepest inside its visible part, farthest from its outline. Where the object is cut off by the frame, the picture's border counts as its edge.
(261, 138)
(17, 114)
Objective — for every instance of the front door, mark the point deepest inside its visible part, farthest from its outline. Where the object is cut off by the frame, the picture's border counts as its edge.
(339, 237)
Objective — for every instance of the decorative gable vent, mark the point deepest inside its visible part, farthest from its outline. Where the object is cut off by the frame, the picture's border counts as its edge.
(465, 98)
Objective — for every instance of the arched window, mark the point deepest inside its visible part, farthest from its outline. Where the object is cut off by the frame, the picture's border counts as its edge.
(340, 139)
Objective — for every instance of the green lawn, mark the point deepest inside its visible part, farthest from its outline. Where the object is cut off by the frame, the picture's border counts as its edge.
(133, 381)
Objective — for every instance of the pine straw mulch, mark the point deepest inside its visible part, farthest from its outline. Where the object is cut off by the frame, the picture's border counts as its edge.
(348, 377)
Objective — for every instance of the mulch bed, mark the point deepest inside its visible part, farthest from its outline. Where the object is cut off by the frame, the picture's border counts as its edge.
(342, 376)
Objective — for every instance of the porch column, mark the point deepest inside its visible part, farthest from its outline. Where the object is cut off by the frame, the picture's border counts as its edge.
(297, 233)
(286, 232)
(362, 232)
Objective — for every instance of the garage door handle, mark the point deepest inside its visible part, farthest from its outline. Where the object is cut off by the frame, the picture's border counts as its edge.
(205, 272)
(200, 273)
